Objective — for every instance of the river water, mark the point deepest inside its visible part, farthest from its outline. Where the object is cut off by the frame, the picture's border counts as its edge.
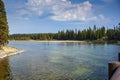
(59, 61)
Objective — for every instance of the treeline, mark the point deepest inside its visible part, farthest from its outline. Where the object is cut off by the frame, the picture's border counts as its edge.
(86, 34)
(4, 31)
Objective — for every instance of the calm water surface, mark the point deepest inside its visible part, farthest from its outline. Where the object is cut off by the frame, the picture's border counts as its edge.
(58, 61)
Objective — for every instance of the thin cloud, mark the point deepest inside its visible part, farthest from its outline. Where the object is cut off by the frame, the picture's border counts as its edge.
(61, 10)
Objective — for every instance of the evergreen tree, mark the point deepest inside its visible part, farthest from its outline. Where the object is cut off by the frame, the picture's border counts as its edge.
(86, 34)
(4, 32)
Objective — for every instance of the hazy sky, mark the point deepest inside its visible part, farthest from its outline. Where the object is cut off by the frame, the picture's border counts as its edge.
(43, 16)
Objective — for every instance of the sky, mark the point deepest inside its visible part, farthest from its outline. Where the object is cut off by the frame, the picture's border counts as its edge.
(49, 16)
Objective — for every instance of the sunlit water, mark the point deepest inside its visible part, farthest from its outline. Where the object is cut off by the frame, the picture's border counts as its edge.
(59, 61)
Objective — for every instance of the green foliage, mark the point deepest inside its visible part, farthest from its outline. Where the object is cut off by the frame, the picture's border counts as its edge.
(114, 34)
(86, 34)
(4, 32)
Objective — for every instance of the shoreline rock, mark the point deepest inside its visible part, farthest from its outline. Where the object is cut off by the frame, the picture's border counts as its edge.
(9, 51)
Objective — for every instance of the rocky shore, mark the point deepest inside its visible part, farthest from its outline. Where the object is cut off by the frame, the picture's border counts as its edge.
(8, 51)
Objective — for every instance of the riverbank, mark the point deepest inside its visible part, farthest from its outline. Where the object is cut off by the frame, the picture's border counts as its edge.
(6, 51)
(47, 41)
(83, 41)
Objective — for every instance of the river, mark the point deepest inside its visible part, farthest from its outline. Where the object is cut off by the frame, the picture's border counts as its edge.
(59, 61)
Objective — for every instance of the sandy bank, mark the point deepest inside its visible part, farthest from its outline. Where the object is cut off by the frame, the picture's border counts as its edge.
(8, 51)
(47, 41)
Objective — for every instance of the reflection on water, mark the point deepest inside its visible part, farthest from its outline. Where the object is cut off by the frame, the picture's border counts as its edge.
(59, 61)
(4, 69)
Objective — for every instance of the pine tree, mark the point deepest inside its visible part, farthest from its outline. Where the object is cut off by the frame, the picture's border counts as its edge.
(4, 31)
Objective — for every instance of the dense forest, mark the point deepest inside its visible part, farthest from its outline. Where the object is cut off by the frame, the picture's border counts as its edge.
(4, 31)
(86, 34)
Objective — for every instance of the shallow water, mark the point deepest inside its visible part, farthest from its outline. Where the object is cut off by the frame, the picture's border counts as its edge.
(59, 61)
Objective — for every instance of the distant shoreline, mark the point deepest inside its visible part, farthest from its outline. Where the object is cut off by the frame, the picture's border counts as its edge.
(81, 41)
(47, 41)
